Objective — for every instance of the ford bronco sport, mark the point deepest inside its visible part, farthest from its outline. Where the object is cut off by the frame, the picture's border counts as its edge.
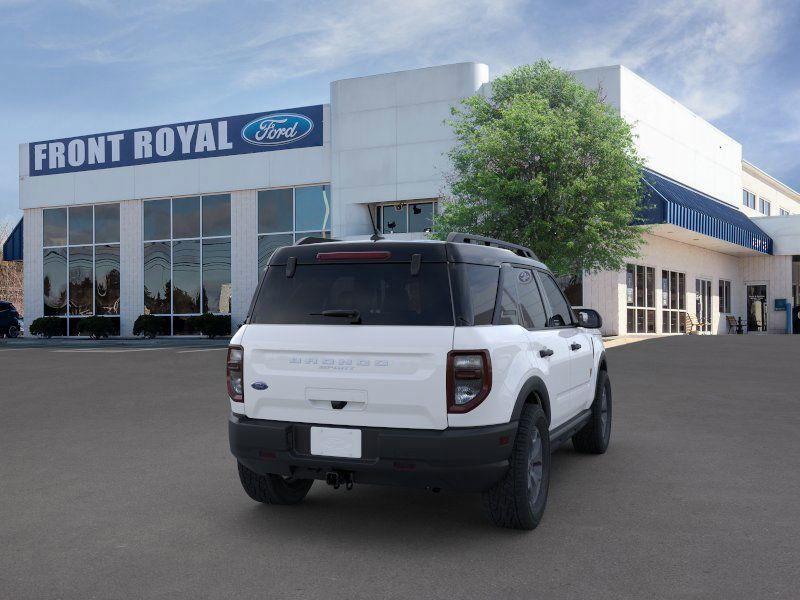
(453, 365)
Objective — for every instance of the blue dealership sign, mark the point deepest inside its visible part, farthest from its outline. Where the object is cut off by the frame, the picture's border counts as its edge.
(241, 134)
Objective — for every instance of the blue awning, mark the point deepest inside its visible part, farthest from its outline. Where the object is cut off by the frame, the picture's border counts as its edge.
(676, 204)
(12, 248)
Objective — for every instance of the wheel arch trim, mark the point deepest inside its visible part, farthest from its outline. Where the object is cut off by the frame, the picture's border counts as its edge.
(534, 385)
(602, 362)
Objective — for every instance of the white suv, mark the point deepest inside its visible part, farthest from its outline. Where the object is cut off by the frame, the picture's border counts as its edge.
(443, 365)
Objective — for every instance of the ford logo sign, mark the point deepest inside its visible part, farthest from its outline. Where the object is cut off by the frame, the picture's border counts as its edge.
(277, 130)
(259, 385)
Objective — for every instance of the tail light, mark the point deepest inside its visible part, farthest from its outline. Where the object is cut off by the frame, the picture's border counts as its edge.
(469, 379)
(235, 373)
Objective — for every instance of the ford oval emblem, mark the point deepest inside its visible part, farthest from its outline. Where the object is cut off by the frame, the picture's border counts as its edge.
(259, 385)
(277, 129)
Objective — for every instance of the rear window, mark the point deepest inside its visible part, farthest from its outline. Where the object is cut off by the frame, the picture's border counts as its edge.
(379, 293)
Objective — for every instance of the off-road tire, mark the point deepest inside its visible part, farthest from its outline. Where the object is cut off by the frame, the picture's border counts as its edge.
(515, 502)
(596, 434)
(273, 489)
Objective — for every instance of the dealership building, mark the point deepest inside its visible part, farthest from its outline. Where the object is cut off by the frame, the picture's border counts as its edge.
(180, 219)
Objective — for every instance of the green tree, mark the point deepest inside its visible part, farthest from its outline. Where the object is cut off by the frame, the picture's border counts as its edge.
(546, 164)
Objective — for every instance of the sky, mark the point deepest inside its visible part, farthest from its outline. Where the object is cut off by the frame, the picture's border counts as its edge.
(76, 67)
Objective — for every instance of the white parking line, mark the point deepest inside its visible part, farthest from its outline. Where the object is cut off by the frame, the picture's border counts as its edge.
(116, 350)
(203, 350)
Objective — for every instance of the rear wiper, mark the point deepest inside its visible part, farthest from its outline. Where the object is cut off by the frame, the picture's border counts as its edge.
(352, 314)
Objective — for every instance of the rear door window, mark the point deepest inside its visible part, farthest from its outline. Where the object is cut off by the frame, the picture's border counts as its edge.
(378, 293)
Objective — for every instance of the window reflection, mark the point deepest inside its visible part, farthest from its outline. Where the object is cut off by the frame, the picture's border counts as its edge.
(106, 223)
(54, 225)
(106, 273)
(186, 217)
(157, 278)
(394, 219)
(80, 225)
(81, 284)
(80, 278)
(217, 215)
(275, 211)
(54, 269)
(217, 275)
(416, 217)
(157, 220)
(290, 214)
(312, 208)
(191, 273)
(186, 277)
(420, 217)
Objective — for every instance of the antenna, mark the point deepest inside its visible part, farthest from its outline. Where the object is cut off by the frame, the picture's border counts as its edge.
(375, 235)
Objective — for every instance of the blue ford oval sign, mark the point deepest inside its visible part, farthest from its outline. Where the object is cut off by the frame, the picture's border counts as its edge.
(277, 129)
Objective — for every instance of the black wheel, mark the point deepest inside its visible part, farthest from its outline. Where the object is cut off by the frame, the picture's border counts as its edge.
(518, 500)
(13, 331)
(273, 489)
(595, 435)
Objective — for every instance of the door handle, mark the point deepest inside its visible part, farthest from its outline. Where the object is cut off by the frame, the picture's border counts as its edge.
(545, 353)
(575, 346)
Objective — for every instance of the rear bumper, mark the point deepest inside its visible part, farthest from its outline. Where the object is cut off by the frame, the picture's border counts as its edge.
(465, 459)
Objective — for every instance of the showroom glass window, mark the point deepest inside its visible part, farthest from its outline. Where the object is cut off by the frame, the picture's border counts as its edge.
(406, 217)
(640, 283)
(81, 268)
(725, 296)
(673, 302)
(286, 215)
(187, 259)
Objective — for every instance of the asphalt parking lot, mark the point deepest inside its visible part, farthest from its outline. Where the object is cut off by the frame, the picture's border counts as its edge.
(116, 482)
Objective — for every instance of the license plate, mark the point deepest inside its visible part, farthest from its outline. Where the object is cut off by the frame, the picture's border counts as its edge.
(336, 441)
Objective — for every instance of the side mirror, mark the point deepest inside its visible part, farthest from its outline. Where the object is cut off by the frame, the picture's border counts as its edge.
(589, 318)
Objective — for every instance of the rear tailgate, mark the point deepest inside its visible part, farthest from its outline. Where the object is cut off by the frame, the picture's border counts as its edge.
(356, 375)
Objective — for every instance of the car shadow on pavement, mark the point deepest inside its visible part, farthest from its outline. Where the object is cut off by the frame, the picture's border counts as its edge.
(382, 512)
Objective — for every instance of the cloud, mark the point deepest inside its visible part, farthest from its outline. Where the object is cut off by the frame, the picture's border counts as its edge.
(351, 31)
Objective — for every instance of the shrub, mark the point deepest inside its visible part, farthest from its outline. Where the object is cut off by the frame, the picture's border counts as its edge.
(48, 327)
(150, 326)
(96, 327)
(211, 325)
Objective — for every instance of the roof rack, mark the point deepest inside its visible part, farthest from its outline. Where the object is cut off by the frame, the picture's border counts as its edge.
(468, 238)
(313, 240)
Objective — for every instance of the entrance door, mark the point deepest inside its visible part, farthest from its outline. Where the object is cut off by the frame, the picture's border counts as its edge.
(703, 296)
(757, 307)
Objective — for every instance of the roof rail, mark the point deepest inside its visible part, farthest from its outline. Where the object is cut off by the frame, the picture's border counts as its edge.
(468, 238)
(313, 240)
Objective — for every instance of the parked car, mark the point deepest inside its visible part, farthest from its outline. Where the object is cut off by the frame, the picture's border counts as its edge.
(452, 365)
(10, 322)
